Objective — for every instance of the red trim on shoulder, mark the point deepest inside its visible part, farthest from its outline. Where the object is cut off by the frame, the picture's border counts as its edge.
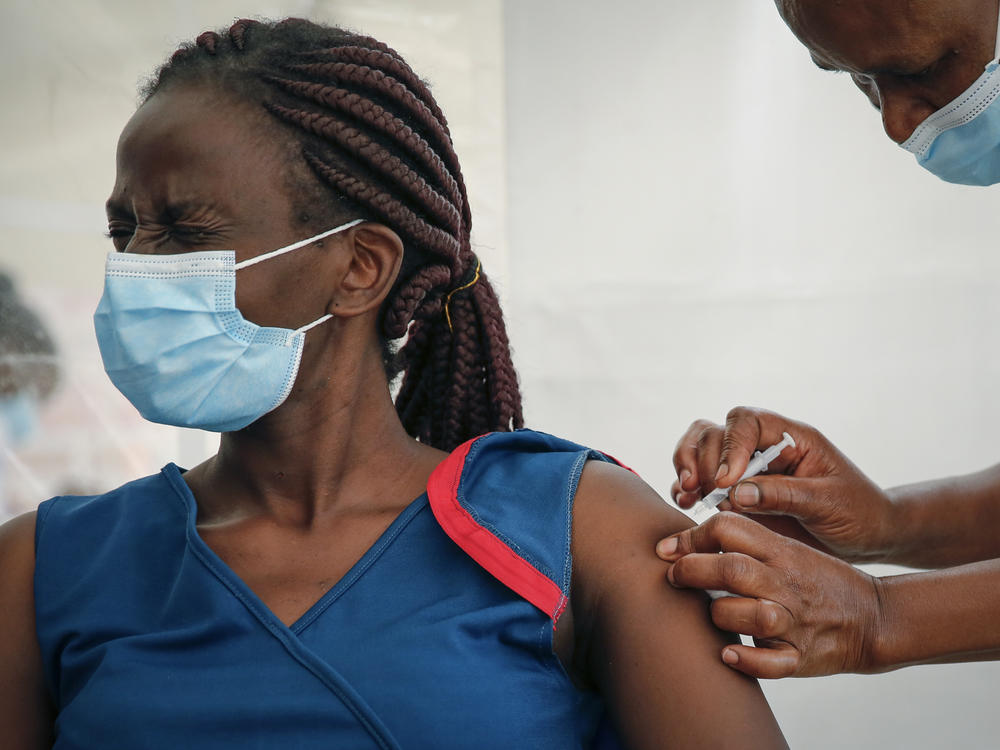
(617, 462)
(482, 545)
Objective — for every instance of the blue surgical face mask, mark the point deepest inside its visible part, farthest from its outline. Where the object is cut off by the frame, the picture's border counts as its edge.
(175, 345)
(961, 142)
(18, 417)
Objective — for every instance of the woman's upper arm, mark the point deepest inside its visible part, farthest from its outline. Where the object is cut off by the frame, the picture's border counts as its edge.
(651, 649)
(25, 713)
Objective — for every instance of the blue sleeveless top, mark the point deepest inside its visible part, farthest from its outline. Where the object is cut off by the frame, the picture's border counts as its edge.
(440, 636)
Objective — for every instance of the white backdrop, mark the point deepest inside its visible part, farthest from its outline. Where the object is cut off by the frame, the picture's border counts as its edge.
(681, 213)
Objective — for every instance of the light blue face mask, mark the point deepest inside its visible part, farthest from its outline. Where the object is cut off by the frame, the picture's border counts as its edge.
(961, 142)
(18, 417)
(175, 345)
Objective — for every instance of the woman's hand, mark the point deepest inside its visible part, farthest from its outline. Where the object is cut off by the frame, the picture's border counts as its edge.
(808, 613)
(832, 505)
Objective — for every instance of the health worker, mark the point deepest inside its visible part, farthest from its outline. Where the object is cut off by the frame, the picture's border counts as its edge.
(932, 68)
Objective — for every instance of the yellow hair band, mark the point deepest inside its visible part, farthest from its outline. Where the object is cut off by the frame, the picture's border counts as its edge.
(447, 300)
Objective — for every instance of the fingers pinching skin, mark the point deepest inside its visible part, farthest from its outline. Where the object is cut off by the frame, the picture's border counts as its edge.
(759, 618)
(726, 531)
(733, 572)
(808, 612)
(770, 663)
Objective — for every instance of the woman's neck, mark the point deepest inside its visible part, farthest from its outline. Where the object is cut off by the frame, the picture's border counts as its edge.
(336, 446)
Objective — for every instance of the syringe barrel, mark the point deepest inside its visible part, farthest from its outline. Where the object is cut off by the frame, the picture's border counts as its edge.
(757, 464)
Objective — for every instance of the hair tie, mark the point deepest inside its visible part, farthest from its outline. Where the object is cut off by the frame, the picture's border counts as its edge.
(447, 299)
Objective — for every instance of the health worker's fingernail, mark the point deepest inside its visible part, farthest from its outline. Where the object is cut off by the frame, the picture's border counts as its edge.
(684, 476)
(723, 470)
(747, 495)
(666, 547)
(730, 657)
(670, 577)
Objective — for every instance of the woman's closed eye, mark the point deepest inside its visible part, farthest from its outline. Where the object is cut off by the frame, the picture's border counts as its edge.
(173, 238)
(120, 232)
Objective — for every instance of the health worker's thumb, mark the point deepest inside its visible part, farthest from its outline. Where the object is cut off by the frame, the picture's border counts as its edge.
(779, 495)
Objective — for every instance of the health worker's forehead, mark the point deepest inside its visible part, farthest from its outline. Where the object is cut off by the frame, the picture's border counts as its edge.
(872, 35)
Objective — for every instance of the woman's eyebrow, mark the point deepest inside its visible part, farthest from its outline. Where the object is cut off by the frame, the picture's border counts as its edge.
(116, 208)
(186, 209)
(170, 211)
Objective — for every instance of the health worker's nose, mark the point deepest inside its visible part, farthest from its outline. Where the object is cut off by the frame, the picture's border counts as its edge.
(901, 111)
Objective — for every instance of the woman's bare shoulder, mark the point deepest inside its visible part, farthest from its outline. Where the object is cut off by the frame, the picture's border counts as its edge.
(617, 521)
(17, 547)
(17, 561)
(611, 494)
(25, 712)
(651, 649)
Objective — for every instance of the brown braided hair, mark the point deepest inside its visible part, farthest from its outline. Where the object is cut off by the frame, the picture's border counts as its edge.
(369, 141)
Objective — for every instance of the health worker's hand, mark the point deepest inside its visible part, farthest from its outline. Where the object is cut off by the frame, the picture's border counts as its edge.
(809, 613)
(812, 492)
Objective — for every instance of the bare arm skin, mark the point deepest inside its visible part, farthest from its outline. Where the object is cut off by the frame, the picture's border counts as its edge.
(25, 713)
(940, 616)
(811, 614)
(947, 521)
(815, 494)
(651, 649)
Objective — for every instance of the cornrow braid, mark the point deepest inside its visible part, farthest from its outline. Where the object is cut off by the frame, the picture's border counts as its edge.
(388, 164)
(411, 90)
(375, 117)
(386, 206)
(390, 63)
(370, 141)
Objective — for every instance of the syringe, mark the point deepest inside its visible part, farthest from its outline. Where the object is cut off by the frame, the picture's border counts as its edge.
(706, 507)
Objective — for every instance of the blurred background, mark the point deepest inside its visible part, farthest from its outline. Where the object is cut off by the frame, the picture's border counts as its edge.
(681, 214)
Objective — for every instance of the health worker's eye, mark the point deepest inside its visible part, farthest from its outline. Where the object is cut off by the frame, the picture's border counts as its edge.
(922, 74)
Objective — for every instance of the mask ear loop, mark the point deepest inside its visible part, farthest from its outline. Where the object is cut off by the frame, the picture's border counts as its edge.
(996, 44)
(287, 249)
(315, 323)
(290, 338)
(295, 245)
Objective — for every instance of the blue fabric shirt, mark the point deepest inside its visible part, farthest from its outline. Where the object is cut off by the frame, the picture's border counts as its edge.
(149, 640)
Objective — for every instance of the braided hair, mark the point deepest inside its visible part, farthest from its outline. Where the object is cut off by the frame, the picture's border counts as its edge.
(372, 143)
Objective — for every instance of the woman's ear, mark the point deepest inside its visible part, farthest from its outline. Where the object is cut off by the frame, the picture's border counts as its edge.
(375, 254)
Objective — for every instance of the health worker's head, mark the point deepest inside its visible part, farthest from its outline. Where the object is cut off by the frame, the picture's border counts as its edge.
(266, 133)
(929, 66)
